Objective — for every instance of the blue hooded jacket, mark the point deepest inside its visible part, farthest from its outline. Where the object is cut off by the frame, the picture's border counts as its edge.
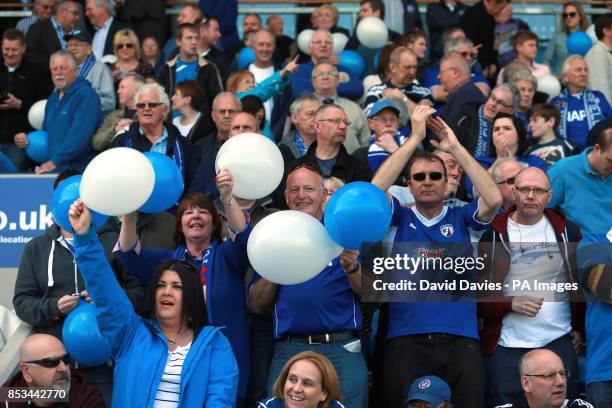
(209, 375)
(226, 304)
(70, 123)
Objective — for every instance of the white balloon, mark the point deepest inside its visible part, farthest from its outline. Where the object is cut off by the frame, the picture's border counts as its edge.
(255, 163)
(340, 41)
(303, 40)
(372, 32)
(36, 114)
(290, 247)
(549, 84)
(109, 59)
(117, 182)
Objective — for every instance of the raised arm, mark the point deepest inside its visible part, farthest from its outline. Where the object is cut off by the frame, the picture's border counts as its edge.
(235, 217)
(394, 165)
(490, 199)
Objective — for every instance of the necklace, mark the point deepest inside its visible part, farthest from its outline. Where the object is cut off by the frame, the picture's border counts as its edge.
(178, 335)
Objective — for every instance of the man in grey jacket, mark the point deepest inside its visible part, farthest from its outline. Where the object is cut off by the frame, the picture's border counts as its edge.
(96, 72)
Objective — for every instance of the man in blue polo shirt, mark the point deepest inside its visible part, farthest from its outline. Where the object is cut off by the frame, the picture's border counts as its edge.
(321, 314)
(582, 186)
(438, 338)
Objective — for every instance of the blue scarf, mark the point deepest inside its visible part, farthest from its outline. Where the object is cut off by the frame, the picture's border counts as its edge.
(205, 266)
(591, 107)
(482, 143)
(299, 144)
(87, 66)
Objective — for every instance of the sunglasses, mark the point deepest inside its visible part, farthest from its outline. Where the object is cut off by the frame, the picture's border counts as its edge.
(509, 180)
(571, 14)
(303, 165)
(433, 176)
(150, 105)
(51, 362)
(126, 45)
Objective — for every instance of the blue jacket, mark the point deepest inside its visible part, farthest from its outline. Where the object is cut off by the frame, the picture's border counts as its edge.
(226, 284)
(209, 375)
(71, 122)
(301, 82)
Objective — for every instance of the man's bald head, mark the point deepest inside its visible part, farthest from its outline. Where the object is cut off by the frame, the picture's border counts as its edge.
(43, 363)
(533, 173)
(36, 346)
(535, 358)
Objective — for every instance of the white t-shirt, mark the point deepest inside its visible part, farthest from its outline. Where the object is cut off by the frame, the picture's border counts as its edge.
(184, 129)
(532, 259)
(260, 75)
(169, 389)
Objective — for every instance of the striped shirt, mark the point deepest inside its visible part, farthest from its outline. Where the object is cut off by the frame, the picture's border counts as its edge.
(169, 389)
(24, 24)
(413, 92)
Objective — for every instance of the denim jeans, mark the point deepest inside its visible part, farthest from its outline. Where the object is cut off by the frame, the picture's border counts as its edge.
(261, 332)
(455, 359)
(350, 366)
(16, 155)
(600, 394)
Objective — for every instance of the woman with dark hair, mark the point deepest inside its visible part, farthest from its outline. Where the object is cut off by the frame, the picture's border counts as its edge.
(573, 19)
(220, 265)
(253, 105)
(187, 99)
(307, 380)
(171, 342)
(509, 140)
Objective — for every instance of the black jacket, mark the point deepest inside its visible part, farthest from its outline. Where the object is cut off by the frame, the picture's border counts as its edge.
(185, 155)
(347, 168)
(115, 26)
(26, 84)
(479, 26)
(439, 18)
(47, 272)
(466, 126)
(41, 42)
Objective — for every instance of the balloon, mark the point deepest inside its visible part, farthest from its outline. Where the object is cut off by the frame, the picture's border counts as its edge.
(352, 62)
(38, 146)
(290, 247)
(372, 32)
(340, 41)
(246, 56)
(550, 85)
(82, 338)
(168, 183)
(303, 41)
(109, 59)
(63, 196)
(254, 161)
(579, 43)
(36, 114)
(356, 213)
(118, 181)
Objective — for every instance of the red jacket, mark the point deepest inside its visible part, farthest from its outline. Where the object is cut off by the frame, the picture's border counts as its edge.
(81, 394)
(493, 247)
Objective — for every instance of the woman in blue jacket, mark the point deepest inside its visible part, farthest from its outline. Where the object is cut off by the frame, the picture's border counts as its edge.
(221, 265)
(173, 342)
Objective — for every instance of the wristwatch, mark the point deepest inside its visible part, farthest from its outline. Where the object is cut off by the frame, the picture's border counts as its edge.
(229, 202)
(355, 269)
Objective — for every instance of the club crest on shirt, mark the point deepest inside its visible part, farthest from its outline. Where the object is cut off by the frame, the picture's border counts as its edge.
(424, 384)
(447, 230)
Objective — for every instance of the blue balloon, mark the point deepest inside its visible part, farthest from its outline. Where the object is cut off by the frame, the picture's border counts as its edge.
(246, 56)
(579, 43)
(38, 146)
(168, 185)
(376, 57)
(357, 213)
(64, 195)
(82, 338)
(352, 62)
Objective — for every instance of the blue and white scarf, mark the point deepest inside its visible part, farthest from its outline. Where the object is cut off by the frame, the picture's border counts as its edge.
(482, 143)
(591, 107)
(86, 66)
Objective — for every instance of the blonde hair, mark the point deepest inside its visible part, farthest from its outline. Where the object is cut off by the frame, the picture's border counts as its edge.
(333, 9)
(132, 38)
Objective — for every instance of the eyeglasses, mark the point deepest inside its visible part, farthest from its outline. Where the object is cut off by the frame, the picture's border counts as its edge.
(325, 74)
(226, 111)
(552, 375)
(447, 69)
(304, 165)
(390, 119)
(537, 191)
(150, 105)
(73, 12)
(469, 54)
(337, 122)
(571, 14)
(126, 45)
(500, 102)
(509, 180)
(433, 176)
(321, 42)
(50, 362)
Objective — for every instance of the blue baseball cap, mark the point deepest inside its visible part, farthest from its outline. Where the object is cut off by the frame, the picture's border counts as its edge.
(81, 35)
(431, 389)
(384, 104)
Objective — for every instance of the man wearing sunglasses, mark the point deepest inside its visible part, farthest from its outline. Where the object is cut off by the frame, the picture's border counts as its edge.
(544, 382)
(504, 172)
(420, 332)
(534, 248)
(43, 9)
(44, 363)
